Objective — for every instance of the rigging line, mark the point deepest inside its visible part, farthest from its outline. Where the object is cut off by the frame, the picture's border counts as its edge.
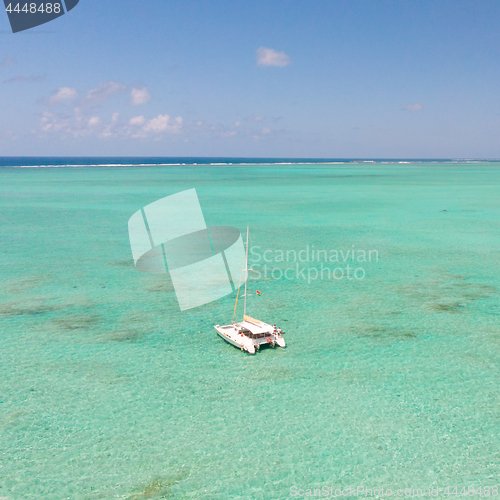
(237, 295)
(246, 274)
(245, 264)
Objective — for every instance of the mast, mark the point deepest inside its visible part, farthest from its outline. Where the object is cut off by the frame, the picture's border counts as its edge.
(246, 275)
(243, 270)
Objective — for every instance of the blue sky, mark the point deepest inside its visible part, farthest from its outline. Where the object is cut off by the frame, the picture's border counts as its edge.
(364, 79)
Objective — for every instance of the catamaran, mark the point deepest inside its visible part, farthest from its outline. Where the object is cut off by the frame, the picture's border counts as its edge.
(250, 334)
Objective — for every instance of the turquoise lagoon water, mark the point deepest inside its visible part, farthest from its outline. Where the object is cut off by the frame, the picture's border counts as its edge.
(107, 390)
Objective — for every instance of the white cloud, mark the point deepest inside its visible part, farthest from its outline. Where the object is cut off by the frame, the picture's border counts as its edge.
(51, 123)
(414, 107)
(270, 57)
(94, 121)
(45, 119)
(65, 124)
(74, 125)
(139, 96)
(93, 97)
(137, 120)
(78, 123)
(161, 124)
(22, 78)
(62, 94)
(102, 93)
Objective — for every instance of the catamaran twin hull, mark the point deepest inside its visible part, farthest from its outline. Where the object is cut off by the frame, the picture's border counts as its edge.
(250, 335)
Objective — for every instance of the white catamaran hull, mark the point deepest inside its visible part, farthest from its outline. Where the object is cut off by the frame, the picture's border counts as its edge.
(234, 340)
(250, 335)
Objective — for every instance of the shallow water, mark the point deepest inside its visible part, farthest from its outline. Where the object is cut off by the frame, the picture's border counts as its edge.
(107, 390)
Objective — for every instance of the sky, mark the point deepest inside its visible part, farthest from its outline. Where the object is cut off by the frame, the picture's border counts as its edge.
(316, 79)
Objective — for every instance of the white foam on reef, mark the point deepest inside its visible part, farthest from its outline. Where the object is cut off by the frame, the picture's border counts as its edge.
(249, 164)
